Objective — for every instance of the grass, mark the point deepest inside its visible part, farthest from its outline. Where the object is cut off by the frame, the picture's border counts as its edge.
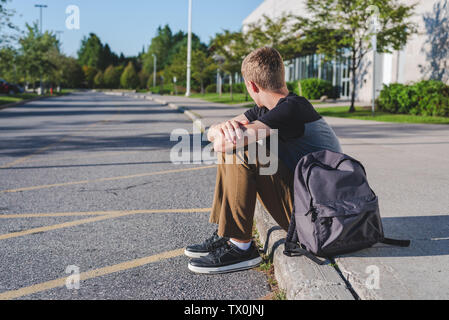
(267, 268)
(224, 98)
(6, 99)
(364, 113)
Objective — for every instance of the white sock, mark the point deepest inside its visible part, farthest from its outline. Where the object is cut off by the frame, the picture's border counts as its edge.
(242, 245)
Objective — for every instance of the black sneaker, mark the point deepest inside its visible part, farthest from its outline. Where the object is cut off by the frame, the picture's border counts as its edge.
(203, 249)
(227, 258)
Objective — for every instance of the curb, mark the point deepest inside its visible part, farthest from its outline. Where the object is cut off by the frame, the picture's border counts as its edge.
(299, 277)
(19, 103)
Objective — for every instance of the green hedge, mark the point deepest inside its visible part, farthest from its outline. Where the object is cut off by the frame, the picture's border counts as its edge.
(427, 98)
(236, 88)
(212, 88)
(313, 88)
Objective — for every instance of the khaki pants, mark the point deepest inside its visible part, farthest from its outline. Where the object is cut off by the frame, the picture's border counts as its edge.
(236, 189)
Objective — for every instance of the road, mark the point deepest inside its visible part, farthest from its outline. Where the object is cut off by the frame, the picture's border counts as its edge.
(87, 185)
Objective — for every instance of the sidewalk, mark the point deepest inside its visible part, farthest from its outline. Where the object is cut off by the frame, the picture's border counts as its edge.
(407, 167)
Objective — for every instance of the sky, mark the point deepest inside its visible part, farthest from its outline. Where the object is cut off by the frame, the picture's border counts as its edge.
(128, 26)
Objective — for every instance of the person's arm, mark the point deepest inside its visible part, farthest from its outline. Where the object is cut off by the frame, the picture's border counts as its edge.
(229, 129)
(250, 133)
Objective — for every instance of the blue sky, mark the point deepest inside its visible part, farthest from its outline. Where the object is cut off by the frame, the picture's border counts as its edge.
(129, 25)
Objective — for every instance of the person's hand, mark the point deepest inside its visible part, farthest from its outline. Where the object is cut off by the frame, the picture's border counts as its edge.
(232, 130)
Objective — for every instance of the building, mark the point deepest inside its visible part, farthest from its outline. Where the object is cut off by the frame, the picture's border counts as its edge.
(426, 54)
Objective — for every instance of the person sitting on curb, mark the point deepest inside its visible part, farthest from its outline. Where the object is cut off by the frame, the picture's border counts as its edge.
(300, 130)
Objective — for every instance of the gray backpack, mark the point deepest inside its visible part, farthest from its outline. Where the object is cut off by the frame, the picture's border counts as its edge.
(335, 210)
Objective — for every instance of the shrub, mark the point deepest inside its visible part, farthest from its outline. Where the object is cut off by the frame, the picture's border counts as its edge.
(427, 98)
(312, 88)
(112, 76)
(239, 88)
(212, 88)
(292, 86)
(129, 78)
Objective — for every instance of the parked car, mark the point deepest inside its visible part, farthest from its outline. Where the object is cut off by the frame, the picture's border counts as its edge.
(10, 88)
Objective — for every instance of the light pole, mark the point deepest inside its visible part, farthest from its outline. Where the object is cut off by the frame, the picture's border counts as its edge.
(40, 6)
(154, 69)
(189, 49)
(374, 29)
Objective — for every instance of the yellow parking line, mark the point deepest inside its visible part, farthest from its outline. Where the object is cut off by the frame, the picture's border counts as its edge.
(147, 174)
(96, 155)
(91, 274)
(96, 213)
(104, 215)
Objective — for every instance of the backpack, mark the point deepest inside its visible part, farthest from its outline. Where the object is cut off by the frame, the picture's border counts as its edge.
(335, 210)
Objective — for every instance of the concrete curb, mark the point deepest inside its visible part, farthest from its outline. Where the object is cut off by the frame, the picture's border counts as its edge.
(299, 277)
(19, 103)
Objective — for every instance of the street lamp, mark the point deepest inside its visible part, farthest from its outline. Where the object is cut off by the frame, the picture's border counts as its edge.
(41, 6)
(189, 49)
(374, 29)
(154, 69)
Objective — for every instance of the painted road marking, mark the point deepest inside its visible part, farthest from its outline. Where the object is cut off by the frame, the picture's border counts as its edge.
(92, 213)
(7, 295)
(96, 155)
(146, 174)
(104, 215)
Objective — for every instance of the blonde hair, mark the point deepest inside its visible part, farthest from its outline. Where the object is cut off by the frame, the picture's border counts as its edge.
(265, 67)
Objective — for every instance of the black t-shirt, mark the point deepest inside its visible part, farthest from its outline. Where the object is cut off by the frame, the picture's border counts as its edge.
(289, 116)
(301, 130)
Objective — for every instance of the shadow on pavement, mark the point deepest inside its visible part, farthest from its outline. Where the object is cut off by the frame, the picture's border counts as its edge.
(429, 236)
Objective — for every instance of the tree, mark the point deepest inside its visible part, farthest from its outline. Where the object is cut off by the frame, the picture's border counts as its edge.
(203, 67)
(232, 46)
(129, 78)
(166, 46)
(93, 53)
(143, 79)
(280, 33)
(72, 73)
(6, 24)
(36, 51)
(178, 67)
(99, 80)
(338, 25)
(89, 74)
(112, 76)
(8, 68)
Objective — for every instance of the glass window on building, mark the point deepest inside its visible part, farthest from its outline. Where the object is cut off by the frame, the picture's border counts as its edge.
(336, 71)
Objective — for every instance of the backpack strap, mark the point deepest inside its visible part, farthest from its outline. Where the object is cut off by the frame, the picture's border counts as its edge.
(396, 242)
(292, 247)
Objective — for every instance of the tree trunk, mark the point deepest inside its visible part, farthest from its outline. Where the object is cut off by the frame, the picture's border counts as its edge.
(230, 87)
(354, 82)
